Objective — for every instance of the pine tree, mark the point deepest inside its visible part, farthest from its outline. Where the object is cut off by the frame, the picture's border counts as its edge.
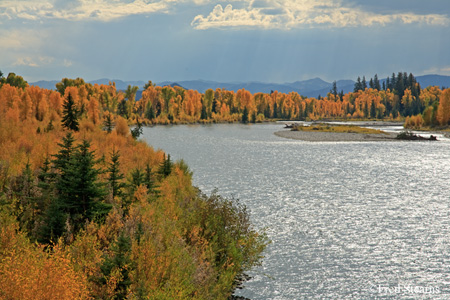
(376, 83)
(203, 115)
(119, 260)
(373, 112)
(334, 89)
(148, 178)
(150, 113)
(137, 130)
(79, 191)
(245, 115)
(108, 123)
(70, 114)
(166, 167)
(115, 177)
(358, 85)
(364, 83)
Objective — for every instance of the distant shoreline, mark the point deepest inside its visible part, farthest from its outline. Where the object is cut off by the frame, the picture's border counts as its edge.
(334, 136)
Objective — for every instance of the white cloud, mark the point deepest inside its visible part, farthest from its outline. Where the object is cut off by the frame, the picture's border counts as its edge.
(67, 63)
(103, 10)
(444, 70)
(25, 61)
(288, 14)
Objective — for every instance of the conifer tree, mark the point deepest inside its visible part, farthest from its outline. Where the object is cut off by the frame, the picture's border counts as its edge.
(119, 260)
(148, 178)
(166, 167)
(137, 131)
(70, 114)
(245, 115)
(108, 123)
(358, 85)
(115, 177)
(376, 83)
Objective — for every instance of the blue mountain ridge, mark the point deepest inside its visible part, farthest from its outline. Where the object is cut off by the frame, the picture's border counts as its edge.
(309, 88)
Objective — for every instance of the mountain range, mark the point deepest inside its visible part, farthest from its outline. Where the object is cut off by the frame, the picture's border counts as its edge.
(309, 88)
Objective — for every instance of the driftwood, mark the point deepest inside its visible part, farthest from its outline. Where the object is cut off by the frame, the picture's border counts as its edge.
(409, 136)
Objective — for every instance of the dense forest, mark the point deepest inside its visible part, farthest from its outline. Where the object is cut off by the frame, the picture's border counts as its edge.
(398, 97)
(89, 212)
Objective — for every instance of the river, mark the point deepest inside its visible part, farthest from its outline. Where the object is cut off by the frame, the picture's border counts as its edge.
(347, 220)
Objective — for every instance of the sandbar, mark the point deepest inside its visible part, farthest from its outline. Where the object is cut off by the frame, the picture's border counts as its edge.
(320, 136)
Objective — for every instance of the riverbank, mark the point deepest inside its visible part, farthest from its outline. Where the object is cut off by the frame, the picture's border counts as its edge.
(319, 136)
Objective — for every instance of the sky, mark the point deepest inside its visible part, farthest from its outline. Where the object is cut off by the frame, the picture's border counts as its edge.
(229, 41)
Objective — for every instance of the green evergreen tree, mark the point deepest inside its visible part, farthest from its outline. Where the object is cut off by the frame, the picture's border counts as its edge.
(373, 112)
(203, 115)
(108, 123)
(364, 83)
(148, 178)
(70, 114)
(334, 89)
(376, 83)
(122, 109)
(115, 177)
(245, 116)
(358, 85)
(137, 131)
(79, 192)
(120, 259)
(150, 113)
(166, 167)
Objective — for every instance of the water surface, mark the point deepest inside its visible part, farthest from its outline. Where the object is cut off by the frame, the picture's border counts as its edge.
(356, 220)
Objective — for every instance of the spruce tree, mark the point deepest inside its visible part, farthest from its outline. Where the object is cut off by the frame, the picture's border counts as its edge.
(148, 178)
(115, 177)
(70, 114)
(364, 83)
(334, 90)
(108, 123)
(376, 83)
(358, 85)
(245, 116)
(137, 131)
(119, 259)
(373, 112)
(166, 167)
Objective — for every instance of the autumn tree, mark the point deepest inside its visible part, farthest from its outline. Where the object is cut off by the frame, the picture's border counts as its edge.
(443, 111)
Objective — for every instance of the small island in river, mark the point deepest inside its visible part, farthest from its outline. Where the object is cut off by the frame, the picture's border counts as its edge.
(339, 133)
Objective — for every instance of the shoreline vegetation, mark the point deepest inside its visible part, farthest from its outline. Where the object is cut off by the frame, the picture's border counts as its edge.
(87, 211)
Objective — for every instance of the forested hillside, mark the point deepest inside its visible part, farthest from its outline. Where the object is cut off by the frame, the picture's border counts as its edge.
(89, 212)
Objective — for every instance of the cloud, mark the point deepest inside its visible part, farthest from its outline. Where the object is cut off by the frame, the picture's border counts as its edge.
(444, 70)
(287, 14)
(103, 10)
(25, 61)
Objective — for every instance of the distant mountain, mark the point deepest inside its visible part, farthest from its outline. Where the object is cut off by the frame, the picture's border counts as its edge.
(120, 85)
(43, 84)
(433, 80)
(309, 88)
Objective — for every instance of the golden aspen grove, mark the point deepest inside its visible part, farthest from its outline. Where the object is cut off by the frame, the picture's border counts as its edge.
(89, 212)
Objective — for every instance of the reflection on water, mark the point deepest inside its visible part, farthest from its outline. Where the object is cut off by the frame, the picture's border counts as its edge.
(346, 220)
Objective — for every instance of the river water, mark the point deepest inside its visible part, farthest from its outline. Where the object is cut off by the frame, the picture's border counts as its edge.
(347, 220)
